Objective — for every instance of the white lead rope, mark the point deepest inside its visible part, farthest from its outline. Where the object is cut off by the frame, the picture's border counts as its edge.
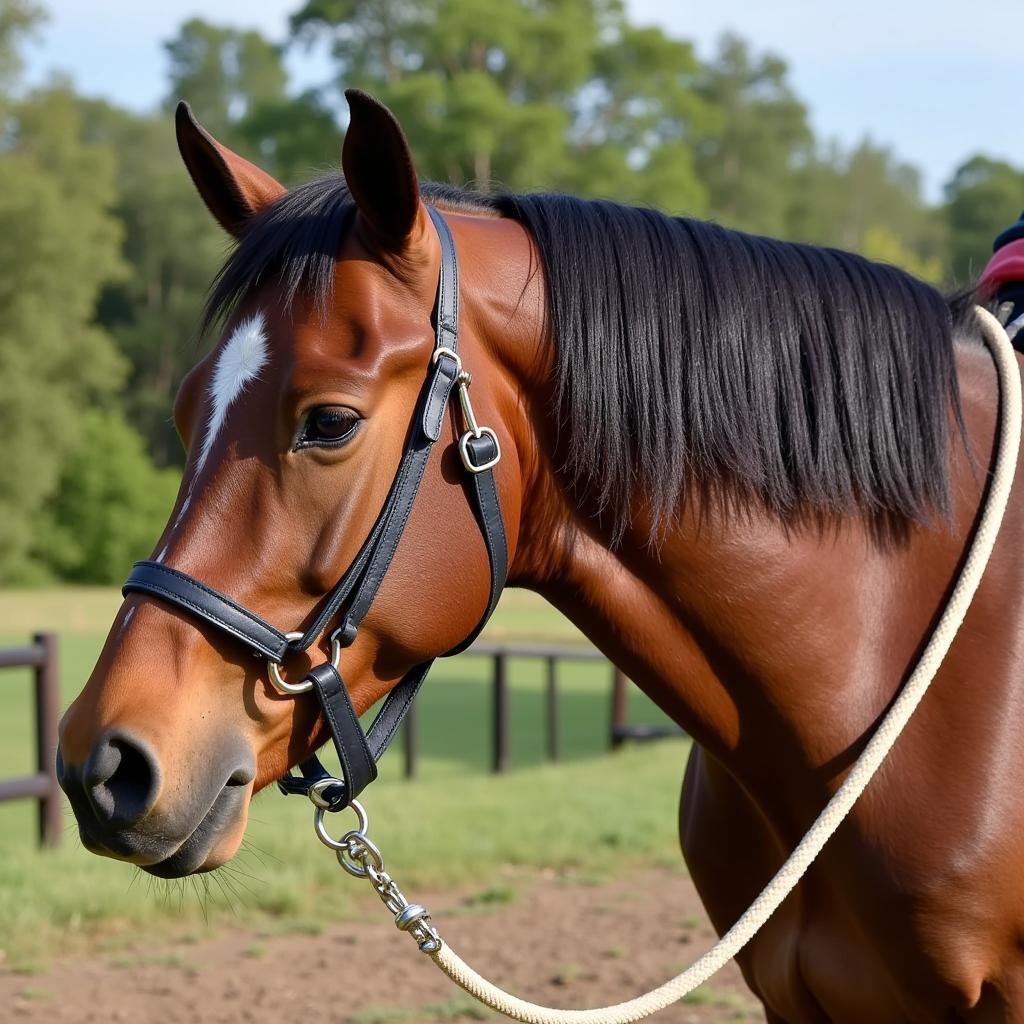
(358, 855)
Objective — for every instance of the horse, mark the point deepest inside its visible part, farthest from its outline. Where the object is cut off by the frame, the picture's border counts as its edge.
(747, 469)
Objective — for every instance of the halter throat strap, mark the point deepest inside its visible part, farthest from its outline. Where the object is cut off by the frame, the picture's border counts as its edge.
(353, 595)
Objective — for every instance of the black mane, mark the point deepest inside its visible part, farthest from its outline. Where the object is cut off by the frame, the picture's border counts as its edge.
(803, 378)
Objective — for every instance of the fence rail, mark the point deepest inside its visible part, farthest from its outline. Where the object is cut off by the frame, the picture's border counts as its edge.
(551, 654)
(41, 786)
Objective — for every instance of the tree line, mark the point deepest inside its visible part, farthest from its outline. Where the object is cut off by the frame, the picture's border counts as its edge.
(106, 253)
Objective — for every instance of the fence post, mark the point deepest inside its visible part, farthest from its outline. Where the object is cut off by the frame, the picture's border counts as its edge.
(620, 699)
(500, 712)
(409, 742)
(47, 690)
(552, 707)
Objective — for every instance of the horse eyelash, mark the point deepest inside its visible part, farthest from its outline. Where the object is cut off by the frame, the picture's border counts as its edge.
(301, 442)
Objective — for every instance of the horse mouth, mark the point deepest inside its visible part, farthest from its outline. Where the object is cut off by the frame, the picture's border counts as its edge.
(192, 855)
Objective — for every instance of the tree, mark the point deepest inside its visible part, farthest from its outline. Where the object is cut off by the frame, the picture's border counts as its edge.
(238, 85)
(983, 197)
(483, 90)
(224, 72)
(637, 121)
(562, 94)
(171, 249)
(59, 244)
(110, 506)
(866, 200)
(293, 137)
(880, 242)
(19, 19)
(747, 165)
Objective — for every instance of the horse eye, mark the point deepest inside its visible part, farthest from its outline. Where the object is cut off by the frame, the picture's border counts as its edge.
(329, 426)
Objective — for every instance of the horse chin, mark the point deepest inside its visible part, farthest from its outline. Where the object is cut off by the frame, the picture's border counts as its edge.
(214, 841)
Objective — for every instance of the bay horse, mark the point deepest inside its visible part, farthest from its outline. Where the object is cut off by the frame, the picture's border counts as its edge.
(747, 469)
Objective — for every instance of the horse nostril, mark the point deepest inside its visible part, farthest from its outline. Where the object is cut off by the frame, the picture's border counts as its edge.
(122, 779)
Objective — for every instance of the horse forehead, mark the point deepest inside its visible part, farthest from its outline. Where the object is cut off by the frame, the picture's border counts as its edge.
(369, 319)
(366, 295)
(372, 324)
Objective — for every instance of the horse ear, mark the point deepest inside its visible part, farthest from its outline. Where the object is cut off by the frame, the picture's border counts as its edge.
(232, 188)
(379, 170)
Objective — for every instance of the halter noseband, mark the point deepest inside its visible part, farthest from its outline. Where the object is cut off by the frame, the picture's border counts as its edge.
(356, 590)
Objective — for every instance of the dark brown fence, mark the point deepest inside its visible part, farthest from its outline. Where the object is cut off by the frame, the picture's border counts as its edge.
(550, 654)
(42, 786)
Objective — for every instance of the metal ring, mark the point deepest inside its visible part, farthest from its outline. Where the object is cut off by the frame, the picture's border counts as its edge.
(316, 791)
(444, 350)
(467, 461)
(291, 689)
(342, 843)
(358, 866)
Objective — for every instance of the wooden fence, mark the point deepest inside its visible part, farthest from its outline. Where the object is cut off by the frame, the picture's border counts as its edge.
(41, 656)
(550, 654)
(42, 787)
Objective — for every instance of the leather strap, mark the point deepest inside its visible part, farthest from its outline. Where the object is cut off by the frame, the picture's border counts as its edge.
(358, 767)
(377, 739)
(387, 544)
(447, 311)
(487, 508)
(177, 588)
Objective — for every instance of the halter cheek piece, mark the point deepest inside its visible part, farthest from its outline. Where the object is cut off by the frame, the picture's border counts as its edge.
(356, 590)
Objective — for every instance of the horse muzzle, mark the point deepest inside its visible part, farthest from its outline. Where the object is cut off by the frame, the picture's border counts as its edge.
(124, 811)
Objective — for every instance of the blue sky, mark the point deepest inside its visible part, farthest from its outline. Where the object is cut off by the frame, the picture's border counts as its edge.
(937, 81)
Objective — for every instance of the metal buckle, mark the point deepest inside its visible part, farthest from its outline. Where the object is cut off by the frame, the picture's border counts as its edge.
(291, 689)
(475, 430)
(444, 350)
(467, 460)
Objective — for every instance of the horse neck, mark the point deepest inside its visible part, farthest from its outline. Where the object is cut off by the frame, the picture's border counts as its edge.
(743, 635)
(772, 645)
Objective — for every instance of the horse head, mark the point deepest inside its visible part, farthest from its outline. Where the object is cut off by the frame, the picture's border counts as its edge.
(294, 426)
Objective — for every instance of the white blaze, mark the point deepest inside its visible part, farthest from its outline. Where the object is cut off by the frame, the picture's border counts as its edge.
(240, 361)
(243, 356)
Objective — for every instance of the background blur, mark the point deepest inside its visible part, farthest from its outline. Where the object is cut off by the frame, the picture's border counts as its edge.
(105, 252)
(887, 127)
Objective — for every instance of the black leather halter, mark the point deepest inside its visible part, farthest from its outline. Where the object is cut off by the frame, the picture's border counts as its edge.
(356, 590)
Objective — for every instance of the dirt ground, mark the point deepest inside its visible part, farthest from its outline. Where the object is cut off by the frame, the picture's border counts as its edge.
(557, 942)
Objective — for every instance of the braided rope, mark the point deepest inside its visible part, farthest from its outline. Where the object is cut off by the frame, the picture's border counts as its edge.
(860, 774)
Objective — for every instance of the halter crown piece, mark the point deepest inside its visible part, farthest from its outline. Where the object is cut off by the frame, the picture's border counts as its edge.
(480, 451)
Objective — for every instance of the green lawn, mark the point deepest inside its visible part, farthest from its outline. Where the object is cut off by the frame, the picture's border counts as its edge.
(456, 825)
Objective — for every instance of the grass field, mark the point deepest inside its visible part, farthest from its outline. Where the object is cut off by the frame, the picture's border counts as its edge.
(454, 826)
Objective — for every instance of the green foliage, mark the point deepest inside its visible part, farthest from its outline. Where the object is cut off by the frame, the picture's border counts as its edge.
(747, 167)
(528, 95)
(225, 72)
(635, 136)
(292, 138)
(866, 200)
(482, 89)
(18, 20)
(111, 503)
(237, 83)
(106, 252)
(59, 244)
(983, 197)
(171, 248)
(881, 243)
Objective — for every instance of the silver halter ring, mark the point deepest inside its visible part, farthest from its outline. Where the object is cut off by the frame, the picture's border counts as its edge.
(321, 829)
(355, 853)
(291, 689)
(322, 811)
